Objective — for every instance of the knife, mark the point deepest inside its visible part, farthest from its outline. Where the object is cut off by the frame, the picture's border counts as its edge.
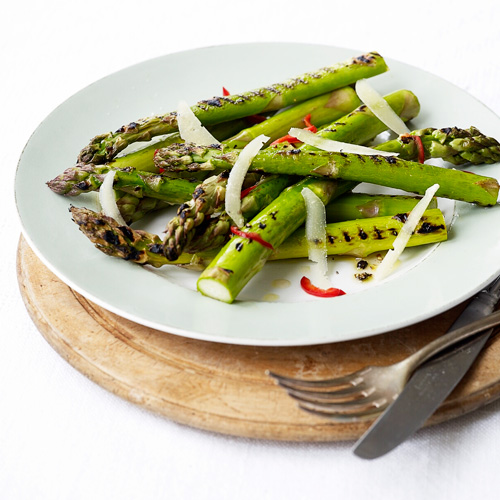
(431, 383)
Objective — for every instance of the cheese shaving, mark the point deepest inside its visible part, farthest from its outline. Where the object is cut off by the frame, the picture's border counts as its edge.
(191, 129)
(316, 238)
(392, 256)
(107, 199)
(380, 108)
(237, 176)
(312, 139)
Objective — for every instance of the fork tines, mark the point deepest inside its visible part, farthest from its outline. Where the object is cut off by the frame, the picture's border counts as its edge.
(342, 399)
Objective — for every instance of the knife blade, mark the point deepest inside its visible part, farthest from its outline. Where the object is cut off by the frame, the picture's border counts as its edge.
(430, 384)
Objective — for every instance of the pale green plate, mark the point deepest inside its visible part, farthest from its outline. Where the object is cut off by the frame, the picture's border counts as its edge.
(429, 280)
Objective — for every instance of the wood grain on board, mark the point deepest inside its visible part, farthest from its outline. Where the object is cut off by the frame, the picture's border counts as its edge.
(222, 387)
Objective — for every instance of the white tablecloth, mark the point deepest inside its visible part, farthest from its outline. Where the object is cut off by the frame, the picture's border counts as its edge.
(62, 436)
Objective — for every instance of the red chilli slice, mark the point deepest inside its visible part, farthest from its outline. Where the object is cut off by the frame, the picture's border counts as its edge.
(225, 92)
(285, 138)
(309, 288)
(247, 190)
(294, 140)
(251, 236)
(420, 147)
(309, 125)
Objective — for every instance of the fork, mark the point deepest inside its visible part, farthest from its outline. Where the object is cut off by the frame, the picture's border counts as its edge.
(367, 392)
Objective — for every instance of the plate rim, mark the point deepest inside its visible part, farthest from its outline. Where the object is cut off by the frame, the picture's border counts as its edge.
(214, 337)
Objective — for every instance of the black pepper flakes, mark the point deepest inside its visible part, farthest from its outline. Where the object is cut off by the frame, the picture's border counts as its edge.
(362, 276)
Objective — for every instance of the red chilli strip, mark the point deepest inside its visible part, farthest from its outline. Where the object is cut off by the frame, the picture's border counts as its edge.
(420, 147)
(309, 125)
(285, 138)
(247, 190)
(251, 236)
(294, 140)
(309, 288)
(225, 92)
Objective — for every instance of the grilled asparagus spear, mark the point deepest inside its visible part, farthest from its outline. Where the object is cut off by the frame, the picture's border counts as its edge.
(389, 171)
(358, 238)
(454, 145)
(106, 146)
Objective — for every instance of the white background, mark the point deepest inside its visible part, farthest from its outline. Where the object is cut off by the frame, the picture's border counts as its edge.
(61, 436)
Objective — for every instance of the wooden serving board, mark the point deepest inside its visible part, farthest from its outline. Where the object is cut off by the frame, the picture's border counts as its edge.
(222, 387)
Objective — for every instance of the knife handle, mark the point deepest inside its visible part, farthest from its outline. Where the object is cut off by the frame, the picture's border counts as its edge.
(481, 305)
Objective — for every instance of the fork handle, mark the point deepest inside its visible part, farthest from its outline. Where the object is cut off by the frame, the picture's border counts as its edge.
(450, 339)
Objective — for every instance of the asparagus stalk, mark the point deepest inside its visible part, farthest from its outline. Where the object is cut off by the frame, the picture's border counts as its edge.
(455, 145)
(361, 205)
(124, 242)
(142, 160)
(362, 237)
(358, 238)
(86, 178)
(104, 147)
(387, 171)
(361, 126)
